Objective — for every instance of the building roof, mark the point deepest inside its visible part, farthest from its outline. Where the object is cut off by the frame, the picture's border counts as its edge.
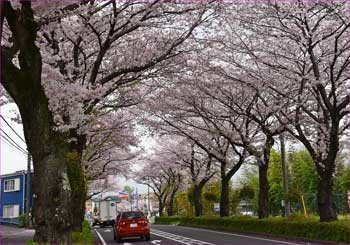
(20, 172)
(114, 198)
(107, 198)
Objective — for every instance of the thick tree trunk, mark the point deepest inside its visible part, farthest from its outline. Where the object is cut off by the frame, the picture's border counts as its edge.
(77, 181)
(161, 207)
(51, 188)
(170, 209)
(224, 198)
(52, 215)
(263, 192)
(51, 212)
(264, 187)
(325, 202)
(197, 199)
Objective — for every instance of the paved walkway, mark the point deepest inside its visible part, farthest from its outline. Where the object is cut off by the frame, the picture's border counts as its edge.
(13, 235)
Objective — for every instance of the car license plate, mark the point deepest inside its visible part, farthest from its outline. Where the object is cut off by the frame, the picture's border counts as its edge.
(133, 225)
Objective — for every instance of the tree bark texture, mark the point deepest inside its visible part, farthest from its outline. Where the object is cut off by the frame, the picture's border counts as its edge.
(77, 180)
(326, 206)
(197, 199)
(224, 198)
(170, 209)
(161, 207)
(263, 211)
(263, 192)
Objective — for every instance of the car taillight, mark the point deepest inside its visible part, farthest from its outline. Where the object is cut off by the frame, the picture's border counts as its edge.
(142, 222)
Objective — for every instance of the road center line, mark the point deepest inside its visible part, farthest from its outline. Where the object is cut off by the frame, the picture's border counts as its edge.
(239, 235)
(100, 237)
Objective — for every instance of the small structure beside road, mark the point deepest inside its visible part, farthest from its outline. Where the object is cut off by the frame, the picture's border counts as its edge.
(13, 196)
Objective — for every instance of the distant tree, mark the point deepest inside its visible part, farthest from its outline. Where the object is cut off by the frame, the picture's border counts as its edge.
(342, 178)
(246, 192)
(303, 172)
(129, 190)
(276, 193)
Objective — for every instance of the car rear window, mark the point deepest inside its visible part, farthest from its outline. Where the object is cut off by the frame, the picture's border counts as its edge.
(132, 215)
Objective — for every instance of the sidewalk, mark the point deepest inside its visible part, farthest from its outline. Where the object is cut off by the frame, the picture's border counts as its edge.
(13, 235)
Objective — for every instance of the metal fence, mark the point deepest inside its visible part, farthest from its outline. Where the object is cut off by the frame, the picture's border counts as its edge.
(340, 202)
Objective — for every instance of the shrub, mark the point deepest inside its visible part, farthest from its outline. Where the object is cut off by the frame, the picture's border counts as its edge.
(311, 229)
(22, 220)
(83, 237)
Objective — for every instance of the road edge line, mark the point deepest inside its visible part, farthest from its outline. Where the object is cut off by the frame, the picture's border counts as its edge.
(100, 237)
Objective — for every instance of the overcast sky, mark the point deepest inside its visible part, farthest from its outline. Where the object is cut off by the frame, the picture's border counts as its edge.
(11, 159)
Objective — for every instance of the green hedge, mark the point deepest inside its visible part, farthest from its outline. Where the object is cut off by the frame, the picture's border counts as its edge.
(337, 231)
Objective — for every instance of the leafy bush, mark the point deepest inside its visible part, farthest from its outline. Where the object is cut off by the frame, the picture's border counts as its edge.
(83, 237)
(311, 229)
(22, 220)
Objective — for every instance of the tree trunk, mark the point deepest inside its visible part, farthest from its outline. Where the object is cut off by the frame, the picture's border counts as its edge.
(263, 192)
(170, 209)
(263, 180)
(161, 207)
(51, 211)
(325, 202)
(224, 198)
(197, 199)
(77, 181)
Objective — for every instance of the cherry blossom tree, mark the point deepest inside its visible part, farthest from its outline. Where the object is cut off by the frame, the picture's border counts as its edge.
(299, 53)
(71, 61)
(177, 109)
(164, 177)
(197, 168)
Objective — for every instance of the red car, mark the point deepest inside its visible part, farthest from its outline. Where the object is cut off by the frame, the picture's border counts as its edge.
(131, 224)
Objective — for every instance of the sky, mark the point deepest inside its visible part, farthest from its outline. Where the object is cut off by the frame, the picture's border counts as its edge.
(11, 159)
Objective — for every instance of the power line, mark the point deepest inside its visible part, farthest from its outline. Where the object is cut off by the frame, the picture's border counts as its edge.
(13, 129)
(12, 145)
(12, 141)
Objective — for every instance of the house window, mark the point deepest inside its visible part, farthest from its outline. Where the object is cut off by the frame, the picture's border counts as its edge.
(10, 211)
(12, 185)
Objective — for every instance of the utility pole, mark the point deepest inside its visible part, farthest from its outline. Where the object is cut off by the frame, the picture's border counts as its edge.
(28, 189)
(285, 175)
(137, 199)
(148, 201)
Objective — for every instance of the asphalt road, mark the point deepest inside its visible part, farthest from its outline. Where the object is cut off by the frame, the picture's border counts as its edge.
(14, 235)
(170, 234)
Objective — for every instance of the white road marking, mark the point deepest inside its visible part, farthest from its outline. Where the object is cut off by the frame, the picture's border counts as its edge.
(100, 237)
(177, 238)
(125, 243)
(156, 241)
(239, 235)
(108, 230)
